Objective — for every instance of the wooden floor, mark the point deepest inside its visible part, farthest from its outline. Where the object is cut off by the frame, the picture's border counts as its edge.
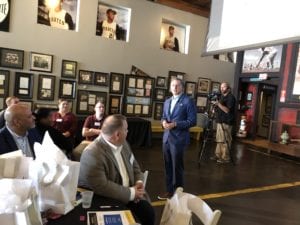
(260, 189)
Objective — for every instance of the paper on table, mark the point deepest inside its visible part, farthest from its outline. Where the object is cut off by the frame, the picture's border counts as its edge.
(121, 217)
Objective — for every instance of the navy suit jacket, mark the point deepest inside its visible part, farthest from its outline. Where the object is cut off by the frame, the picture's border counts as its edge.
(8, 144)
(185, 116)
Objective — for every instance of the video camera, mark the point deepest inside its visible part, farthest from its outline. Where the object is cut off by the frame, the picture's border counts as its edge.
(214, 96)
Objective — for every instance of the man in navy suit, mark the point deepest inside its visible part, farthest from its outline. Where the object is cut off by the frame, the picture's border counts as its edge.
(179, 114)
(17, 132)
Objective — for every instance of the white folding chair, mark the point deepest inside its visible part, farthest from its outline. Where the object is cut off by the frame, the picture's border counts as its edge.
(178, 210)
(202, 210)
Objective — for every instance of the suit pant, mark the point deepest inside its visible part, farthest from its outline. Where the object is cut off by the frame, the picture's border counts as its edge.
(143, 211)
(173, 158)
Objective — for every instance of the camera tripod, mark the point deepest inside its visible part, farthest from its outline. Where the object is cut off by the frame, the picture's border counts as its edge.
(209, 137)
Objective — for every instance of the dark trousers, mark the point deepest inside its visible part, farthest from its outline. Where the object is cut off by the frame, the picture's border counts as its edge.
(143, 212)
(173, 158)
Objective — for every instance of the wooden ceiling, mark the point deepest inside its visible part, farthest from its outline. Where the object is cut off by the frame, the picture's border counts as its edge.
(199, 7)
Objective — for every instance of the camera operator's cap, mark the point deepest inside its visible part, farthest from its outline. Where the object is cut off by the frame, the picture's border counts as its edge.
(111, 10)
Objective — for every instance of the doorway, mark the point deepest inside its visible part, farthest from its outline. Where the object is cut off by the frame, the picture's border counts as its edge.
(266, 102)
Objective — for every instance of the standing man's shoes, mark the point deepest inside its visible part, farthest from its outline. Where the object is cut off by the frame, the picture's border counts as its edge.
(165, 196)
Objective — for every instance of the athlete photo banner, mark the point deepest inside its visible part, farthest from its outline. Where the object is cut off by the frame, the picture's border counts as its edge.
(113, 22)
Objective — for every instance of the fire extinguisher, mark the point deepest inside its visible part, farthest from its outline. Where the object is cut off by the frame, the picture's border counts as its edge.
(242, 132)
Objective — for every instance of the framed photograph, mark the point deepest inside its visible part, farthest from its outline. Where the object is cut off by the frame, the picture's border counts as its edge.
(67, 9)
(67, 89)
(85, 77)
(173, 36)
(159, 94)
(190, 88)
(46, 87)
(138, 95)
(116, 83)
(203, 85)
(41, 62)
(120, 15)
(28, 103)
(262, 60)
(215, 86)
(201, 103)
(158, 110)
(4, 83)
(68, 69)
(115, 102)
(249, 96)
(23, 85)
(11, 58)
(161, 82)
(86, 101)
(101, 79)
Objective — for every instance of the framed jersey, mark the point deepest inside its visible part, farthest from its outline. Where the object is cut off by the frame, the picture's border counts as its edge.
(113, 22)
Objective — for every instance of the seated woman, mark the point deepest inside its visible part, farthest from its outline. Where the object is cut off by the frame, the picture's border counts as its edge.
(91, 129)
(65, 121)
(43, 123)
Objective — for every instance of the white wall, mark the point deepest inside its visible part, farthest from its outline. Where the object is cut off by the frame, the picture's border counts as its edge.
(99, 54)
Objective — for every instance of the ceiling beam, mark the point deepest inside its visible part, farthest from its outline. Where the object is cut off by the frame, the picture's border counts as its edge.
(182, 5)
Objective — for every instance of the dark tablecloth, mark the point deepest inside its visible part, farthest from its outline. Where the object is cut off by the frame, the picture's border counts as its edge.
(139, 132)
(78, 216)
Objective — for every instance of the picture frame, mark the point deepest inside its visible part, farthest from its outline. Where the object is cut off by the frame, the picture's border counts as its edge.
(4, 83)
(86, 77)
(70, 8)
(41, 62)
(101, 79)
(122, 19)
(201, 103)
(176, 43)
(215, 86)
(11, 58)
(161, 82)
(23, 85)
(138, 96)
(46, 87)
(2, 103)
(67, 89)
(249, 96)
(203, 86)
(86, 101)
(262, 60)
(159, 94)
(116, 81)
(158, 110)
(28, 103)
(115, 103)
(190, 88)
(68, 69)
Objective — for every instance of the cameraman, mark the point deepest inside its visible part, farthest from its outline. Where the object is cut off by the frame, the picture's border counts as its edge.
(224, 108)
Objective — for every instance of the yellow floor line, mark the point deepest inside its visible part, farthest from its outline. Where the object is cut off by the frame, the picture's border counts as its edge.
(237, 192)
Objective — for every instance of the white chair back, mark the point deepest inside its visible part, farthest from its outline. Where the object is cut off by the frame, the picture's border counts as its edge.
(202, 210)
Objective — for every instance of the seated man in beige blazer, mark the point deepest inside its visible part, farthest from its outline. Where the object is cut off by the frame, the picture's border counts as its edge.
(108, 167)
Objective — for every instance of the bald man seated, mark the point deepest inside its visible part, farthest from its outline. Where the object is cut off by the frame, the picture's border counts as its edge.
(17, 133)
